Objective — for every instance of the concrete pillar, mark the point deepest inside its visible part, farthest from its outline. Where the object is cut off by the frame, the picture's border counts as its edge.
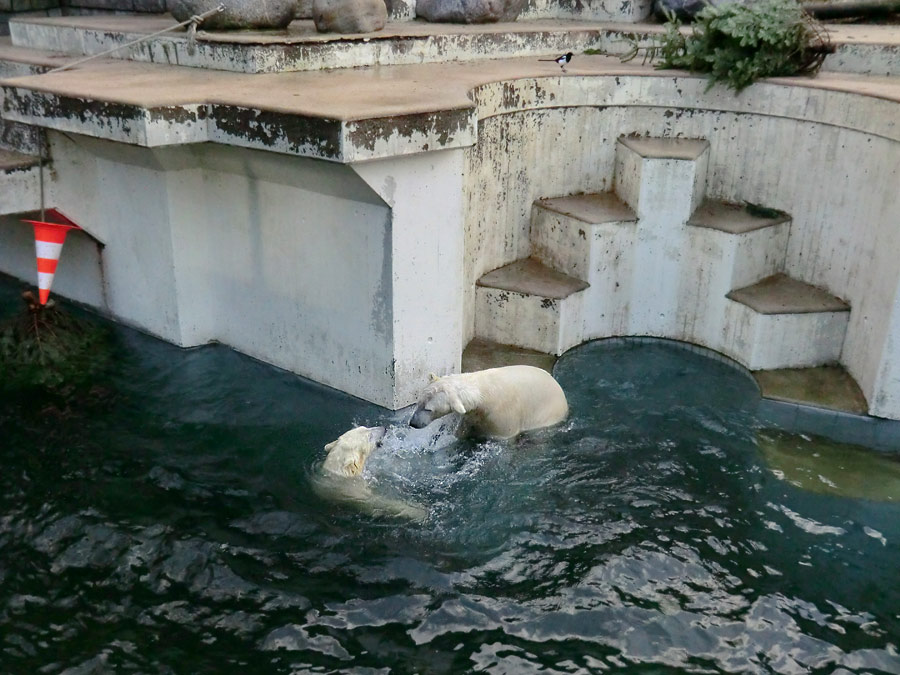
(663, 180)
(425, 194)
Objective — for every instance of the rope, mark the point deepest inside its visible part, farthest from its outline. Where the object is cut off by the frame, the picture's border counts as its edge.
(195, 21)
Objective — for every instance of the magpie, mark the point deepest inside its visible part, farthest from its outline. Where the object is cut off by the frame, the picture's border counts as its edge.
(561, 60)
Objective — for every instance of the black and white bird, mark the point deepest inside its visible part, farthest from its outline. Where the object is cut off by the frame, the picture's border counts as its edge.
(561, 60)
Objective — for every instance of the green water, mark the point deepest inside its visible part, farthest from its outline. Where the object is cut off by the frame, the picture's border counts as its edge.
(161, 521)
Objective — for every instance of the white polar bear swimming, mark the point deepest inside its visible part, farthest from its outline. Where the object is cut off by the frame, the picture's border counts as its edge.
(497, 402)
(340, 476)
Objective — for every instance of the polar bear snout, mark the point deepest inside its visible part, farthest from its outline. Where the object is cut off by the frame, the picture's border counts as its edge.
(421, 418)
(376, 435)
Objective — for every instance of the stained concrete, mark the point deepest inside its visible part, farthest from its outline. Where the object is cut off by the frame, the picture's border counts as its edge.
(780, 294)
(826, 387)
(480, 354)
(665, 148)
(12, 161)
(532, 277)
(604, 207)
(731, 218)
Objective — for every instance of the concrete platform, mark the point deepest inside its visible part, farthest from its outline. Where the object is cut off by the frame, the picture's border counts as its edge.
(780, 294)
(732, 218)
(480, 354)
(300, 47)
(872, 50)
(368, 113)
(530, 305)
(531, 277)
(591, 209)
(19, 183)
(829, 387)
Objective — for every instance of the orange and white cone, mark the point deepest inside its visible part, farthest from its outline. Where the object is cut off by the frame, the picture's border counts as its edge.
(48, 243)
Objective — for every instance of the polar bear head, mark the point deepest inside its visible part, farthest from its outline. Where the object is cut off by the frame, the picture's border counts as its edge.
(348, 454)
(443, 396)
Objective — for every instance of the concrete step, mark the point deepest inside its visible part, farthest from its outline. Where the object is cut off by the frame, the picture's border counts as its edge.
(480, 354)
(300, 47)
(661, 176)
(20, 188)
(748, 243)
(829, 387)
(530, 305)
(781, 322)
(566, 231)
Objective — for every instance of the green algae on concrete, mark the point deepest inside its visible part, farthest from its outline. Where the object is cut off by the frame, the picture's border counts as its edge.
(825, 387)
(827, 467)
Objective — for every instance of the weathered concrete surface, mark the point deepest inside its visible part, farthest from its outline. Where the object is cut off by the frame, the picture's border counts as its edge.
(530, 305)
(826, 387)
(292, 261)
(19, 183)
(425, 196)
(301, 47)
(533, 278)
(482, 354)
(779, 294)
(868, 50)
(542, 134)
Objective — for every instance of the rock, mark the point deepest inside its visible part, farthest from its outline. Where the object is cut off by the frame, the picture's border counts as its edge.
(469, 11)
(304, 9)
(238, 13)
(349, 16)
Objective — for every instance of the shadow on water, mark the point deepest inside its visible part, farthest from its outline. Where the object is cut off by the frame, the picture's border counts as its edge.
(166, 525)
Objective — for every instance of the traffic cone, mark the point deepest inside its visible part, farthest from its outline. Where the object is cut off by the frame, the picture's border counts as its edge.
(49, 237)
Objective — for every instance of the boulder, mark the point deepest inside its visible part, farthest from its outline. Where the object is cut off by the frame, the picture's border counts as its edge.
(469, 11)
(349, 16)
(238, 13)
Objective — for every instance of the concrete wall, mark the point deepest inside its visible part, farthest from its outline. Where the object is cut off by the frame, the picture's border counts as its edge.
(320, 268)
(838, 183)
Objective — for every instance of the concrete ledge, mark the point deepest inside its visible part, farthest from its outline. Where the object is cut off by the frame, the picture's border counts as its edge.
(732, 218)
(827, 387)
(529, 305)
(19, 183)
(592, 209)
(780, 294)
(665, 148)
(566, 231)
(531, 277)
(300, 47)
(352, 115)
(868, 50)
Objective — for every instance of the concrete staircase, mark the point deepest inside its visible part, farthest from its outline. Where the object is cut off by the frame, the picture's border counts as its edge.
(656, 257)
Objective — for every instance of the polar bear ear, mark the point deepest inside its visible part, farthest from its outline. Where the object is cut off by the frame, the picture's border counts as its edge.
(330, 446)
(456, 404)
(433, 378)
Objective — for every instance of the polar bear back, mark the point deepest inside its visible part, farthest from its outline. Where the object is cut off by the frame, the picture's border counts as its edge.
(516, 399)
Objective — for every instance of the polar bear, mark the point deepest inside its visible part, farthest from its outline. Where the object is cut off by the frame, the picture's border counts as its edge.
(348, 454)
(340, 476)
(496, 403)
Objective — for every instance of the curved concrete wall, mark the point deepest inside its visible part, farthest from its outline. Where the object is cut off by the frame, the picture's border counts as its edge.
(830, 159)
